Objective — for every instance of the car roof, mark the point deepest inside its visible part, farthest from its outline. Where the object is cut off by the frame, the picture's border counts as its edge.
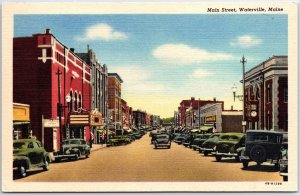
(233, 133)
(264, 131)
(25, 140)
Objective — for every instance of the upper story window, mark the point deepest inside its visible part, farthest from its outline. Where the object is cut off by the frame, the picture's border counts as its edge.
(269, 93)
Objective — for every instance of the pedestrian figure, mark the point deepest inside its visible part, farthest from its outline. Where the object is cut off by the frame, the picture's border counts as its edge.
(91, 139)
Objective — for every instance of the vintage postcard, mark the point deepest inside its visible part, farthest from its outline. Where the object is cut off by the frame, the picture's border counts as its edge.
(149, 97)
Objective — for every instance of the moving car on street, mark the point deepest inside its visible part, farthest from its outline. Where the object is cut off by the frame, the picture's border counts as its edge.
(27, 154)
(262, 146)
(228, 144)
(162, 140)
(72, 149)
(210, 144)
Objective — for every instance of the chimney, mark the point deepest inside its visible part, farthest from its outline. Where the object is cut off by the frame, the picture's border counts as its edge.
(72, 50)
(215, 99)
(192, 98)
(47, 31)
(231, 107)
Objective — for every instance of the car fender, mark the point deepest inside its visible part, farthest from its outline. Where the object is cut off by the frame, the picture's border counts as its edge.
(24, 160)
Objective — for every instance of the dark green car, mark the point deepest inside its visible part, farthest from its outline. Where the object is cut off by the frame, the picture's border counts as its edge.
(228, 144)
(73, 149)
(119, 140)
(210, 144)
(27, 154)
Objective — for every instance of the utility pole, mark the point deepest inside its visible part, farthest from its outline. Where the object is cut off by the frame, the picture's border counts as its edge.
(59, 106)
(199, 112)
(243, 61)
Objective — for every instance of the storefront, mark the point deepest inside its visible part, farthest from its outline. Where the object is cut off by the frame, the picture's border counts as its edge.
(79, 126)
(96, 121)
(21, 121)
(213, 116)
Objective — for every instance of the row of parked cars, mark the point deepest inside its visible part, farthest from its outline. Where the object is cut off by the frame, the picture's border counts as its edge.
(126, 138)
(29, 154)
(256, 145)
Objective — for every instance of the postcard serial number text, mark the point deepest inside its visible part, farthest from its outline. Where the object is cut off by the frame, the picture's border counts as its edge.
(259, 9)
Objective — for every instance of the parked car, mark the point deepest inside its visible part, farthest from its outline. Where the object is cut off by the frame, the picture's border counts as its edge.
(283, 162)
(201, 140)
(162, 140)
(194, 142)
(262, 146)
(73, 149)
(228, 144)
(178, 139)
(210, 144)
(187, 141)
(27, 154)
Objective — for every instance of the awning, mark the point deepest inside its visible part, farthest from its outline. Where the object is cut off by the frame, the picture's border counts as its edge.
(109, 131)
(195, 130)
(206, 127)
(128, 130)
(21, 122)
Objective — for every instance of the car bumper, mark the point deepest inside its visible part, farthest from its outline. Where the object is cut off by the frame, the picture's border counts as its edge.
(64, 156)
(244, 158)
(207, 149)
(283, 174)
(226, 154)
(178, 142)
(185, 143)
(163, 145)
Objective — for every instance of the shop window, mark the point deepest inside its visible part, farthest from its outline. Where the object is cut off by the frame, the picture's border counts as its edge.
(71, 102)
(269, 92)
(285, 98)
(76, 102)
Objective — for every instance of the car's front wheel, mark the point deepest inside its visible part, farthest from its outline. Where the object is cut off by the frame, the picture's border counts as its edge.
(285, 178)
(87, 155)
(22, 171)
(205, 153)
(218, 158)
(46, 165)
(77, 155)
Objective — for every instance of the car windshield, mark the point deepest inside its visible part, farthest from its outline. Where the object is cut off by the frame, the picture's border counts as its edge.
(162, 137)
(19, 145)
(74, 141)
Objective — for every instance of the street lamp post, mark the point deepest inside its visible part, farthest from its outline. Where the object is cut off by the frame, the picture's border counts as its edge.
(241, 97)
(59, 106)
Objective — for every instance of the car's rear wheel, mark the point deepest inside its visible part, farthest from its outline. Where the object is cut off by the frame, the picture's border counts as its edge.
(46, 165)
(87, 155)
(205, 153)
(22, 171)
(155, 146)
(218, 158)
(285, 178)
(258, 154)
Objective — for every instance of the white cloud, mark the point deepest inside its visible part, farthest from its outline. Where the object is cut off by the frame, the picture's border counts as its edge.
(246, 41)
(200, 73)
(137, 80)
(102, 31)
(181, 54)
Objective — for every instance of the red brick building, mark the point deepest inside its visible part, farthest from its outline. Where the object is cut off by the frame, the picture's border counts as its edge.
(114, 99)
(266, 87)
(125, 115)
(188, 111)
(37, 60)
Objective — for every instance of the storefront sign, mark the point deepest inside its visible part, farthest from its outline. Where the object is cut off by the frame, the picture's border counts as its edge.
(51, 123)
(211, 118)
(96, 120)
(80, 119)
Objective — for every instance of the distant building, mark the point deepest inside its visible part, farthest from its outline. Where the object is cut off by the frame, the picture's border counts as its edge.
(114, 99)
(214, 116)
(139, 118)
(154, 120)
(266, 86)
(188, 109)
(125, 115)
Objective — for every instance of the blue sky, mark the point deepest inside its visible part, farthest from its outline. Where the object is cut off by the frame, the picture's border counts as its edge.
(166, 58)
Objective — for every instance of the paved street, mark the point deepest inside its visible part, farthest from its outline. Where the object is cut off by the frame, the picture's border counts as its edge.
(138, 161)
